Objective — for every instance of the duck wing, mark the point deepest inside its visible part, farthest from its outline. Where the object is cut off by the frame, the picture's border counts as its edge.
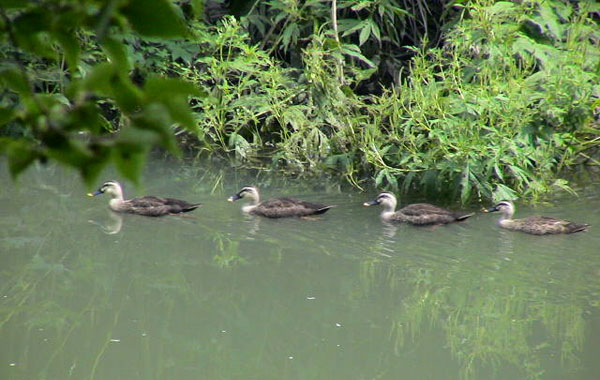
(158, 206)
(425, 213)
(179, 204)
(288, 207)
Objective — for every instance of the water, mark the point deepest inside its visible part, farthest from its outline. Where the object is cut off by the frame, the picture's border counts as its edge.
(87, 294)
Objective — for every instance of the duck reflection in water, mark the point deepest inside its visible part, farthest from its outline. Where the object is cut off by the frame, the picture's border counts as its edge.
(111, 225)
(389, 229)
(252, 222)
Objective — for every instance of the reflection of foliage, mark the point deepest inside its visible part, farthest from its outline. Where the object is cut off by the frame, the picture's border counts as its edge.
(227, 252)
(493, 317)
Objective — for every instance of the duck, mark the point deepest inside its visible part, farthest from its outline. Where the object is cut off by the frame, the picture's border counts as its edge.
(419, 214)
(534, 225)
(148, 205)
(277, 207)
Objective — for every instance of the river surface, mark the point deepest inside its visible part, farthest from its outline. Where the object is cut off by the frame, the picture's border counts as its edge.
(89, 294)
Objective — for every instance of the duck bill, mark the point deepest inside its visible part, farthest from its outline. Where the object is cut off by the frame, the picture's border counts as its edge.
(234, 198)
(370, 203)
(493, 209)
(97, 192)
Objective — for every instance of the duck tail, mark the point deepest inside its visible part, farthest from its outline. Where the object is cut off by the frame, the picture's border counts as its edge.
(323, 210)
(462, 217)
(191, 207)
(577, 227)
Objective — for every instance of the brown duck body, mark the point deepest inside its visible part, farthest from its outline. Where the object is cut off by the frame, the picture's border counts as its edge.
(154, 206)
(542, 225)
(424, 214)
(278, 207)
(535, 225)
(288, 207)
(418, 214)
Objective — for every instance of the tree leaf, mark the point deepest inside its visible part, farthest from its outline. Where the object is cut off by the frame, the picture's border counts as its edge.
(375, 30)
(70, 45)
(365, 32)
(20, 155)
(354, 51)
(157, 87)
(86, 116)
(290, 34)
(117, 53)
(28, 27)
(130, 160)
(15, 80)
(154, 18)
(173, 93)
(98, 80)
(127, 95)
(7, 4)
(156, 118)
(6, 115)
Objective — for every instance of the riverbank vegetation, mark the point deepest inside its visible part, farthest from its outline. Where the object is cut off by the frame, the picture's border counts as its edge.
(472, 99)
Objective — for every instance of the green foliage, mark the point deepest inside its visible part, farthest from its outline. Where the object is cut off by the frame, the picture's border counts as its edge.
(489, 110)
(498, 109)
(257, 109)
(496, 112)
(380, 27)
(60, 89)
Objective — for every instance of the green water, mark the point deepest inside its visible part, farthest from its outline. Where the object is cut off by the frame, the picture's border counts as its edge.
(87, 294)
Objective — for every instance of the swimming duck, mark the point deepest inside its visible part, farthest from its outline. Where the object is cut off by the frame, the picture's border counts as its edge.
(535, 225)
(147, 205)
(277, 207)
(417, 213)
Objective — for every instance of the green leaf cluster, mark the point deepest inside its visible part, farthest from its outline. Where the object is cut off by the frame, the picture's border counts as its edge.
(66, 84)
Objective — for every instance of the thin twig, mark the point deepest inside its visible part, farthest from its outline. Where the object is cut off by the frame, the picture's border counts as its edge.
(340, 67)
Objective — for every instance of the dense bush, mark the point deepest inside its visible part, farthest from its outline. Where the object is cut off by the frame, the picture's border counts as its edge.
(496, 111)
(473, 98)
(500, 109)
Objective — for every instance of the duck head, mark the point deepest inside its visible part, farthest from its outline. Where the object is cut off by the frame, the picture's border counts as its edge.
(505, 207)
(250, 192)
(386, 199)
(112, 188)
